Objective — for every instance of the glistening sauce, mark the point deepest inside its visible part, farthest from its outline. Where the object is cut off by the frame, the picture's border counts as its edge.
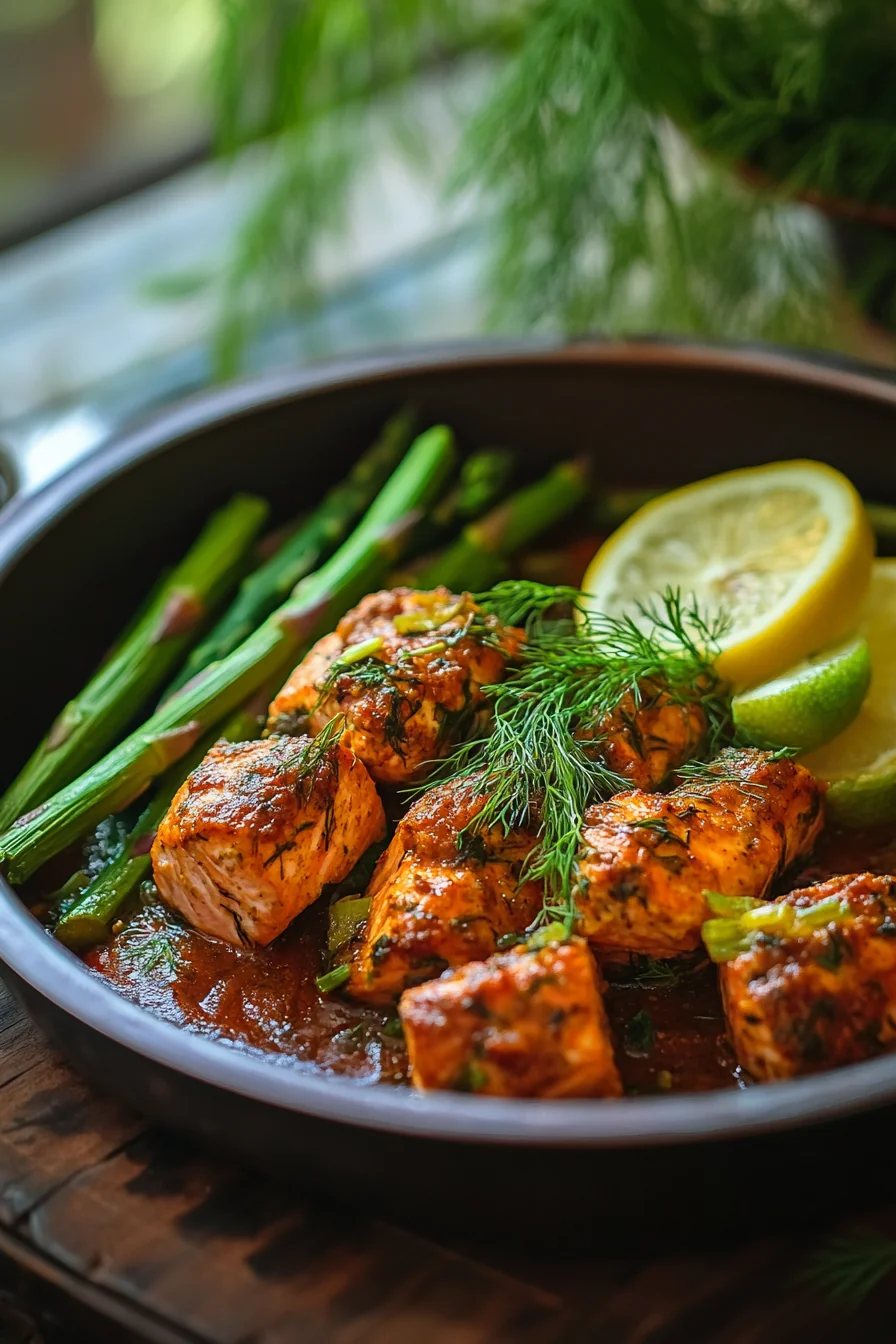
(668, 1038)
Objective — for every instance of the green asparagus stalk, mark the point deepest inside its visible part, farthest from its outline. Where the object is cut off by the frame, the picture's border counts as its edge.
(312, 608)
(480, 483)
(90, 919)
(478, 558)
(141, 661)
(483, 477)
(305, 550)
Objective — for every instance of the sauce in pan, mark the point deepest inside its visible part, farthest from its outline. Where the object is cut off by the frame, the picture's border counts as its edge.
(668, 1025)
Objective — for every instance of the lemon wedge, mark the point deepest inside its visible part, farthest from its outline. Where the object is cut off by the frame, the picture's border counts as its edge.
(860, 764)
(784, 551)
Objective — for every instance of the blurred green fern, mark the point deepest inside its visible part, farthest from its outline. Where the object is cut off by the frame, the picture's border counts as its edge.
(602, 218)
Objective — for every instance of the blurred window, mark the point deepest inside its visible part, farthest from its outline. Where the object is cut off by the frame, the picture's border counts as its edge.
(97, 97)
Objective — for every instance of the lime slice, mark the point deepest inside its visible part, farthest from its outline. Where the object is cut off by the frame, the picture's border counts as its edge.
(860, 764)
(810, 704)
(784, 551)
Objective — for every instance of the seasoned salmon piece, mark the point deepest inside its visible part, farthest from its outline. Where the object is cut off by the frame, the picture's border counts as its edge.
(414, 689)
(821, 995)
(647, 739)
(647, 859)
(438, 898)
(521, 1024)
(251, 837)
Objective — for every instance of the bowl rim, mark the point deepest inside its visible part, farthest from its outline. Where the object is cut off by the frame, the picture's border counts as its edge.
(56, 974)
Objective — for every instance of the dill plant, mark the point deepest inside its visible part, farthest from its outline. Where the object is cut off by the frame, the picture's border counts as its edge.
(603, 213)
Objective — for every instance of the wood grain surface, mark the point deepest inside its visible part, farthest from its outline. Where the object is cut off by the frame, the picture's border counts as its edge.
(176, 1246)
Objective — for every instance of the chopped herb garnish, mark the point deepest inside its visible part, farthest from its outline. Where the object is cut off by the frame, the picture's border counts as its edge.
(639, 1036)
(835, 954)
(472, 1078)
(333, 980)
(661, 830)
(662, 974)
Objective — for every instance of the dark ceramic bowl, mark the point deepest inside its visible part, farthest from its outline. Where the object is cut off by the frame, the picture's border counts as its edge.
(75, 558)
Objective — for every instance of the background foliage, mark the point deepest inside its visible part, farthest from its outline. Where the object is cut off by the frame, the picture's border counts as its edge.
(637, 159)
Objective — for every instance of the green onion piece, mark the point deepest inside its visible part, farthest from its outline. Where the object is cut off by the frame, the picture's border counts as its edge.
(333, 979)
(438, 646)
(725, 939)
(730, 906)
(346, 917)
(556, 932)
(776, 918)
(415, 623)
(816, 916)
(356, 652)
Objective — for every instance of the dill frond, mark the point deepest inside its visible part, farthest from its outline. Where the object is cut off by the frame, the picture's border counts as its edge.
(309, 759)
(702, 777)
(538, 767)
(657, 973)
(612, 148)
(148, 946)
(848, 1268)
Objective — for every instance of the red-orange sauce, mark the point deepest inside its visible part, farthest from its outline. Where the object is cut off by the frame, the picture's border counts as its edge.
(264, 999)
(267, 1000)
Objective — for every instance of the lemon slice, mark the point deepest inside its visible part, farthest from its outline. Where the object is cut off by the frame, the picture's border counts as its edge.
(809, 705)
(860, 764)
(784, 551)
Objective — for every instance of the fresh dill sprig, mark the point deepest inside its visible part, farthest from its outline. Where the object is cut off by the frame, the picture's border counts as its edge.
(660, 828)
(147, 946)
(307, 760)
(541, 765)
(656, 973)
(527, 603)
(848, 1268)
(701, 777)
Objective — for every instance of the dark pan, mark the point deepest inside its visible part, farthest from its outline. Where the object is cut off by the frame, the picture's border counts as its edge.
(76, 557)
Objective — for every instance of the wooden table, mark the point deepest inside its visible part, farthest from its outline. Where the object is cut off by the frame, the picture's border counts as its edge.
(175, 1246)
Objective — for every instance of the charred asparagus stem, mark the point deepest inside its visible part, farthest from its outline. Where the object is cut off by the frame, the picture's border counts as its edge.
(478, 558)
(142, 659)
(89, 920)
(312, 608)
(304, 551)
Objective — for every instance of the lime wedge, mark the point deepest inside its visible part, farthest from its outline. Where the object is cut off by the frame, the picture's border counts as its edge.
(860, 763)
(809, 705)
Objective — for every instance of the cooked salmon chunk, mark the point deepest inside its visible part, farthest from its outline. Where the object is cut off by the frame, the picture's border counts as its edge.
(521, 1024)
(251, 838)
(645, 739)
(823, 993)
(407, 669)
(440, 898)
(647, 859)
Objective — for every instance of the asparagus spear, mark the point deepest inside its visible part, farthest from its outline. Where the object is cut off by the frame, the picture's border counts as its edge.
(481, 480)
(312, 608)
(90, 918)
(141, 660)
(478, 558)
(305, 550)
